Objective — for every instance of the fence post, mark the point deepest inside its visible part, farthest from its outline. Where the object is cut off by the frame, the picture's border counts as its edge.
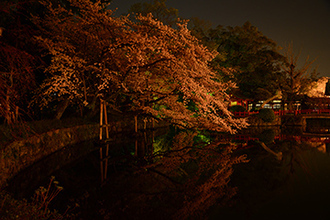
(135, 124)
(106, 120)
(101, 118)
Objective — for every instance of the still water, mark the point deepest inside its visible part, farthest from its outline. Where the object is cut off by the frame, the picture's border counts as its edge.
(265, 173)
(293, 187)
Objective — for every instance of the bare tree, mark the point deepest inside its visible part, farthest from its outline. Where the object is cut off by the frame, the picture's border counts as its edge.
(296, 79)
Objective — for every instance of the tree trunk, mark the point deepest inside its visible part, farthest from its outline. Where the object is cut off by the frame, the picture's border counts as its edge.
(93, 110)
(9, 114)
(61, 108)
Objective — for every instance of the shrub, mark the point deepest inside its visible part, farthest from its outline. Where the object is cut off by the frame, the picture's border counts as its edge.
(237, 108)
(267, 136)
(11, 208)
(266, 114)
(37, 209)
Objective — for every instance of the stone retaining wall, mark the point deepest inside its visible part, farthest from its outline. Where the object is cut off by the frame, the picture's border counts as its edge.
(23, 153)
(20, 154)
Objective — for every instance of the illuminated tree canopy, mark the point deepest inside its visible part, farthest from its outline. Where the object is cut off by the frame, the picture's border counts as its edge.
(158, 70)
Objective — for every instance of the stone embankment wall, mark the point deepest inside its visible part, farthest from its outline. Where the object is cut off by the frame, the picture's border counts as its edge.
(293, 120)
(255, 121)
(23, 153)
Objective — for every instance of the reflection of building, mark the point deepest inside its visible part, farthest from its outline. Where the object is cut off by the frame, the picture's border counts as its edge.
(322, 147)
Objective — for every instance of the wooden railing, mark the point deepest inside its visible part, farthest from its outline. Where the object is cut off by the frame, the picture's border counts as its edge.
(285, 112)
(244, 114)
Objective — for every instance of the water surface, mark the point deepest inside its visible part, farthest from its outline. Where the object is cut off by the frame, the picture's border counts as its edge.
(129, 180)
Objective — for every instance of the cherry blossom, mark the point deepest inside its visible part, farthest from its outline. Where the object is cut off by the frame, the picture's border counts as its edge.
(158, 69)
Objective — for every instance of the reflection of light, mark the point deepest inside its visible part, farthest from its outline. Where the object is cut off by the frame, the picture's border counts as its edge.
(322, 148)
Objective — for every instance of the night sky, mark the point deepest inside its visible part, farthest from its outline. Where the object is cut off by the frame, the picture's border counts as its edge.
(305, 23)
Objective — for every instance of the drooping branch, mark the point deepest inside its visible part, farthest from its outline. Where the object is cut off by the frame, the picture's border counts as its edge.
(154, 63)
(277, 96)
(164, 175)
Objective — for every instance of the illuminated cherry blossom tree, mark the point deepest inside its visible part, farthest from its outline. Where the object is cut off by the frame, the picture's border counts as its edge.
(158, 70)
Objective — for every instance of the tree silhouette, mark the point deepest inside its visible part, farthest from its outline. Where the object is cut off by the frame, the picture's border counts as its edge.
(254, 56)
(295, 80)
(158, 9)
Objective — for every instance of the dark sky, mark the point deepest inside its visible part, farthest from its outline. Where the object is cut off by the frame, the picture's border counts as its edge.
(305, 23)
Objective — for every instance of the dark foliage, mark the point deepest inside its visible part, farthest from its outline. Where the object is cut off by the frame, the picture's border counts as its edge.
(237, 108)
(267, 115)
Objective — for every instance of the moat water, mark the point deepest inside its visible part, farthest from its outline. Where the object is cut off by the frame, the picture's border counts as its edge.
(287, 177)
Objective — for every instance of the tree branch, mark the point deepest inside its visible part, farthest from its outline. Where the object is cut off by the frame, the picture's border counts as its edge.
(153, 63)
(163, 175)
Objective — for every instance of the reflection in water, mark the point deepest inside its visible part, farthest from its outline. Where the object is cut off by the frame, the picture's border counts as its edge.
(182, 179)
(104, 162)
(143, 145)
(294, 187)
(176, 174)
(279, 155)
(318, 126)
